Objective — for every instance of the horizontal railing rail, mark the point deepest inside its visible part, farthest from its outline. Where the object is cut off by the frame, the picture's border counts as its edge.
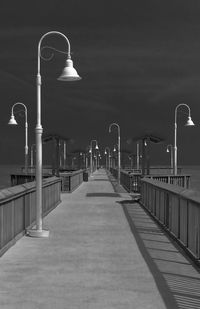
(18, 208)
(130, 180)
(177, 209)
(181, 180)
(19, 178)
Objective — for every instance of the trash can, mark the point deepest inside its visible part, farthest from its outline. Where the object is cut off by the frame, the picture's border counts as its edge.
(85, 176)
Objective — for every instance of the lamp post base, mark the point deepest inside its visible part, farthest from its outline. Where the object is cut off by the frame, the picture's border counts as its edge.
(37, 233)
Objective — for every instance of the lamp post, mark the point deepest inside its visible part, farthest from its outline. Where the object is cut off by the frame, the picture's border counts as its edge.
(119, 164)
(96, 147)
(188, 123)
(107, 152)
(32, 151)
(138, 155)
(170, 149)
(12, 121)
(68, 74)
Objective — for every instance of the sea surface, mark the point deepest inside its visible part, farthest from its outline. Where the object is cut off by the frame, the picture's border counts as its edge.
(7, 170)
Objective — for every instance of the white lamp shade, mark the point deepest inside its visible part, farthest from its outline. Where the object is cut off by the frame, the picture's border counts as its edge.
(189, 122)
(96, 147)
(69, 74)
(12, 120)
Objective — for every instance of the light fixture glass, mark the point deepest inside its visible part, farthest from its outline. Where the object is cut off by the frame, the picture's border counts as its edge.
(69, 74)
(12, 120)
(189, 122)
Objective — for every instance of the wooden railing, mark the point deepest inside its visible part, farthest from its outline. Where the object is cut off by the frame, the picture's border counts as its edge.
(177, 209)
(131, 180)
(71, 180)
(18, 208)
(20, 178)
(181, 180)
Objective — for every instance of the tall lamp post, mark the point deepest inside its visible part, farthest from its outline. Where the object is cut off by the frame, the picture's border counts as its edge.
(13, 121)
(96, 147)
(138, 155)
(107, 152)
(170, 149)
(119, 160)
(68, 74)
(188, 123)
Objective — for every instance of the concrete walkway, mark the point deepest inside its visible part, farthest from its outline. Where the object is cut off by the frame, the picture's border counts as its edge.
(92, 260)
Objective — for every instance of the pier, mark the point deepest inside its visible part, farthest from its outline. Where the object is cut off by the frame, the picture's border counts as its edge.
(104, 251)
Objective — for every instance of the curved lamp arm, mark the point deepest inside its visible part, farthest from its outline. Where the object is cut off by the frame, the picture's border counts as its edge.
(40, 42)
(93, 140)
(114, 124)
(19, 103)
(182, 104)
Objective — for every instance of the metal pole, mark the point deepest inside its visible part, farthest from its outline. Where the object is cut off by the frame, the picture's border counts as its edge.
(119, 159)
(138, 157)
(39, 232)
(175, 143)
(64, 154)
(91, 167)
(91, 161)
(171, 153)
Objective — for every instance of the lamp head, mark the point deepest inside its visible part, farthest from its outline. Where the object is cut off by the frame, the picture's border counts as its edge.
(12, 120)
(189, 122)
(69, 74)
(97, 147)
(114, 149)
(167, 149)
(105, 152)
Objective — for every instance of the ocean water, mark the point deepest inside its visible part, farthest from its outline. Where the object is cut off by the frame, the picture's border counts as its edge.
(194, 172)
(7, 170)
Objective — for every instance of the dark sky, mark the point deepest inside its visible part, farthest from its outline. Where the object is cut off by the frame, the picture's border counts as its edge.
(138, 60)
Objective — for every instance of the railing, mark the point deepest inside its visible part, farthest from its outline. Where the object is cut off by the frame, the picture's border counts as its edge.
(177, 180)
(178, 211)
(71, 180)
(19, 178)
(18, 208)
(129, 180)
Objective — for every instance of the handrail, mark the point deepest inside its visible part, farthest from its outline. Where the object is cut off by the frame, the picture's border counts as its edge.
(177, 209)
